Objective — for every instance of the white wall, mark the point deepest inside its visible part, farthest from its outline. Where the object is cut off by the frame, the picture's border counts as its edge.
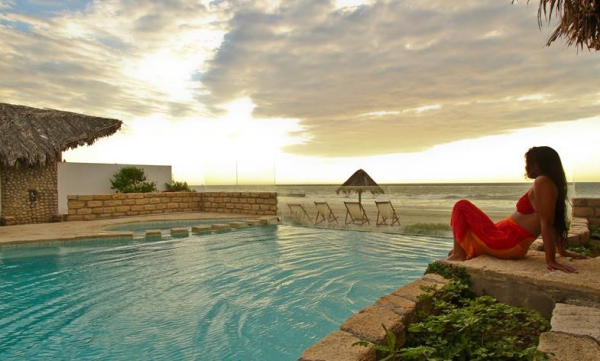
(94, 178)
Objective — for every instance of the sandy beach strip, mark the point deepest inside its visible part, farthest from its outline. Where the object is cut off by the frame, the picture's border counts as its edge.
(408, 214)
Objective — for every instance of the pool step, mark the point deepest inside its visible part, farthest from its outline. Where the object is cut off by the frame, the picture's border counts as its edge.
(182, 232)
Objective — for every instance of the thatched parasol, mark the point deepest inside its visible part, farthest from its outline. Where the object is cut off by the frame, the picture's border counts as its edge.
(36, 136)
(360, 182)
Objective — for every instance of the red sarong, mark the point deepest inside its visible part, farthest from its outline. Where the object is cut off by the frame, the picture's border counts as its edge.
(477, 234)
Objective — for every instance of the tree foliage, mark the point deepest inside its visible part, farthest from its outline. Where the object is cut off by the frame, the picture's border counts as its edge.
(178, 186)
(132, 180)
(579, 21)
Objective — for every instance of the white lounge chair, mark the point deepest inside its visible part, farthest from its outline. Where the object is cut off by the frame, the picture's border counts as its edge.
(325, 214)
(385, 212)
(298, 212)
(356, 214)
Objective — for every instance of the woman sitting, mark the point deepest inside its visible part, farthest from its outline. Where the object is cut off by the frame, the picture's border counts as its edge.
(542, 210)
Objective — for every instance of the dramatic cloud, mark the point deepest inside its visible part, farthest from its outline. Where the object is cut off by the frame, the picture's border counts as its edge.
(482, 65)
(379, 78)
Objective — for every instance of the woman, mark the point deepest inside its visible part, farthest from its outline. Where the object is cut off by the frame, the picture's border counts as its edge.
(541, 210)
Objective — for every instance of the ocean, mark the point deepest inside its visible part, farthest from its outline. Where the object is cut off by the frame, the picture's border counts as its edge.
(431, 202)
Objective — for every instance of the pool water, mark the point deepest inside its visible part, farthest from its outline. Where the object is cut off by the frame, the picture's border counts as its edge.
(255, 293)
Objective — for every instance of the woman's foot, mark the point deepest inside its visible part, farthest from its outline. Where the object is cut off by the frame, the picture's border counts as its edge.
(457, 253)
(456, 257)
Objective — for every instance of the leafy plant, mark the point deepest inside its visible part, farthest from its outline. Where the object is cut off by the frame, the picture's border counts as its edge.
(387, 351)
(176, 186)
(465, 327)
(595, 232)
(132, 180)
(477, 329)
(590, 249)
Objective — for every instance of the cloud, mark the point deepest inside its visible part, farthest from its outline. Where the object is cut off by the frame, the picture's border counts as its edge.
(328, 68)
(376, 77)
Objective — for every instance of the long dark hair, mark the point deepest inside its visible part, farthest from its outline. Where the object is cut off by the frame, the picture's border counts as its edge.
(548, 162)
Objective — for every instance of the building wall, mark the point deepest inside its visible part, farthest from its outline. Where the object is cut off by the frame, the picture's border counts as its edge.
(94, 178)
(116, 205)
(16, 186)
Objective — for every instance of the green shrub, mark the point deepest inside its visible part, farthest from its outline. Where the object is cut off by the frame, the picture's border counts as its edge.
(176, 186)
(595, 232)
(480, 328)
(463, 326)
(132, 180)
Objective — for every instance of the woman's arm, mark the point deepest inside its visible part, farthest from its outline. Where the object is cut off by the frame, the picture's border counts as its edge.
(545, 194)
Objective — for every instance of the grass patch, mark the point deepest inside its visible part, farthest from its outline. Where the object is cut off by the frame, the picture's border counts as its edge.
(428, 229)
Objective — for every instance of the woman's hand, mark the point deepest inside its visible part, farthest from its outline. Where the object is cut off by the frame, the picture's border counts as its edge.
(553, 265)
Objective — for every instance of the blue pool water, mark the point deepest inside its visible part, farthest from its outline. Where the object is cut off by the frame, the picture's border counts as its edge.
(256, 293)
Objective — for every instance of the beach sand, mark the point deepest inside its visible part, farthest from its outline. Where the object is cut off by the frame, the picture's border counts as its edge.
(408, 215)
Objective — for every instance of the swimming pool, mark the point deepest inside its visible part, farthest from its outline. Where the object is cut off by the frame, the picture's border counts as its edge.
(255, 293)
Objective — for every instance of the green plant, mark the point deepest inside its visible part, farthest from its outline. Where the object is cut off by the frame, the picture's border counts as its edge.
(176, 186)
(465, 327)
(595, 232)
(590, 249)
(131, 180)
(388, 352)
(476, 329)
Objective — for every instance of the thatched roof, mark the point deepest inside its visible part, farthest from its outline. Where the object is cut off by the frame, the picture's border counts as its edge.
(35, 136)
(360, 182)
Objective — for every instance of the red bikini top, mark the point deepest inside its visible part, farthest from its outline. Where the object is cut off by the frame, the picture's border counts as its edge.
(524, 205)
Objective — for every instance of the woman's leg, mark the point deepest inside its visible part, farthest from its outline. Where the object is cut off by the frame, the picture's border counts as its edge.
(465, 219)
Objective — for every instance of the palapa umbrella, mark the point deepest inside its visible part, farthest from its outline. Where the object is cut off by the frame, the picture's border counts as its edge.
(360, 182)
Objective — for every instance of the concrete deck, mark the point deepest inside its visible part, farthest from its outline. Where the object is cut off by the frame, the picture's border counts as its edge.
(44, 232)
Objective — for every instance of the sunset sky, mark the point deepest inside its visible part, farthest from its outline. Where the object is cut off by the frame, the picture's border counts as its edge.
(309, 91)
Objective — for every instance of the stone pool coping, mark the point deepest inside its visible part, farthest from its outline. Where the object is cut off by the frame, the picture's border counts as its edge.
(76, 230)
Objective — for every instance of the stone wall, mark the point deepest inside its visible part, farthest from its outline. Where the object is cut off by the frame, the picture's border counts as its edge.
(103, 206)
(588, 208)
(17, 182)
(263, 203)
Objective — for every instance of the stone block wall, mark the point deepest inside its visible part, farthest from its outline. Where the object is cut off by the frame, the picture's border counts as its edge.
(588, 208)
(17, 182)
(103, 206)
(257, 203)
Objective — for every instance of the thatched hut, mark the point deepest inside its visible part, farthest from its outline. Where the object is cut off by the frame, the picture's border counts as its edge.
(31, 143)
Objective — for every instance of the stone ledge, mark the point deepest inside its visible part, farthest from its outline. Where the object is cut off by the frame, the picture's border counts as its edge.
(576, 320)
(528, 283)
(396, 311)
(564, 347)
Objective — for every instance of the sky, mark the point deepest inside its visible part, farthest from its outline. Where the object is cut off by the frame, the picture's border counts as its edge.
(308, 91)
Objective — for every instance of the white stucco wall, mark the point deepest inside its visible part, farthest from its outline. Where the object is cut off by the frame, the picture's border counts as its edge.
(94, 178)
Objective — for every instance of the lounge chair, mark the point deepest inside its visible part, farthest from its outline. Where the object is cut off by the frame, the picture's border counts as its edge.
(325, 213)
(356, 214)
(298, 212)
(386, 212)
